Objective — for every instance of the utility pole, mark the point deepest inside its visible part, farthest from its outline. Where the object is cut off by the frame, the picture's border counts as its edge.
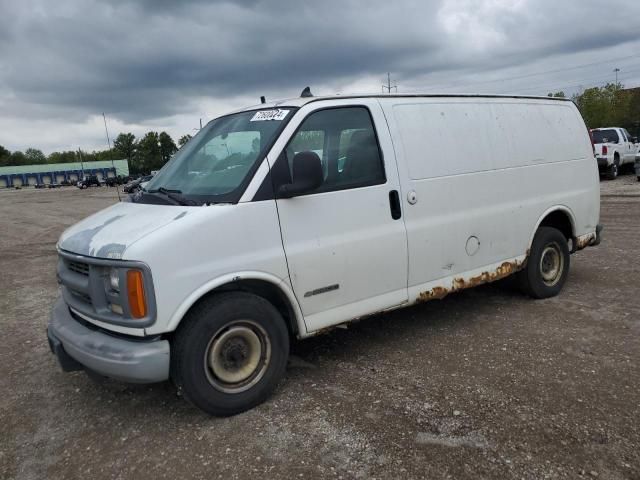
(115, 173)
(388, 86)
(616, 70)
(81, 164)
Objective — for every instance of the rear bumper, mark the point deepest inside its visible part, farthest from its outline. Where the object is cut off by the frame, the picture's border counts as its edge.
(79, 347)
(603, 162)
(598, 238)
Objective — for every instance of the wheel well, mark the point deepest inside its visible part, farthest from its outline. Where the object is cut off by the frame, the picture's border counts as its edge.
(560, 221)
(264, 289)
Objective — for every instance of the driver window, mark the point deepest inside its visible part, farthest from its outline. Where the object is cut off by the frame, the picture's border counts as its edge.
(345, 141)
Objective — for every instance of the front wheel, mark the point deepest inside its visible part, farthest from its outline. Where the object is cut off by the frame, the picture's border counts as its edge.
(230, 353)
(548, 264)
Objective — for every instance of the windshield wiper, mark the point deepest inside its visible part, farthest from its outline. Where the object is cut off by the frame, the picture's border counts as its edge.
(174, 195)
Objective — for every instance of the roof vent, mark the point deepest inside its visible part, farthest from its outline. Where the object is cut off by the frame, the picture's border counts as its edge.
(306, 93)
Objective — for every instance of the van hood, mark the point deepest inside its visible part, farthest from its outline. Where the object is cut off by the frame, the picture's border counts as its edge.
(108, 233)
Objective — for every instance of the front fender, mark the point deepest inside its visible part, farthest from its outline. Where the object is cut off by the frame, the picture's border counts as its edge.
(282, 284)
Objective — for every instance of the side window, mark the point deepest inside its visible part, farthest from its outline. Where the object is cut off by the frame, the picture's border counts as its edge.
(304, 141)
(345, 141)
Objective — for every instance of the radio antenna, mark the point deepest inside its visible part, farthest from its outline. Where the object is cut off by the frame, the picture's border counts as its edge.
(115, 172)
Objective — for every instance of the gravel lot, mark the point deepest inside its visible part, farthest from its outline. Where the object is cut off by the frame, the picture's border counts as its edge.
(483, 384)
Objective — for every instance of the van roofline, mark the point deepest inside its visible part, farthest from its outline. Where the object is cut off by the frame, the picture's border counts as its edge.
(298, 102)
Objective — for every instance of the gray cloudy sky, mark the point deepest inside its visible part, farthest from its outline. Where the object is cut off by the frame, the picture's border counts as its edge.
(161, 64)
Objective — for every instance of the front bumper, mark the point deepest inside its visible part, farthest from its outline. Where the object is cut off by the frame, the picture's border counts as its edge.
(130, 360)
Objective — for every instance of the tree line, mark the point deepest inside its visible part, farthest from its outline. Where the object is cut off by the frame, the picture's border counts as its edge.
(608, 106)
(145, 154)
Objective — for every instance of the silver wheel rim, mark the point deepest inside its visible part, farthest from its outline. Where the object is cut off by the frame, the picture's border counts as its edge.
(551, 264)
(237, 356)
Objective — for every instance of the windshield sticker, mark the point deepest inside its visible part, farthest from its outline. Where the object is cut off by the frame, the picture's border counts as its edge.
(263, 115)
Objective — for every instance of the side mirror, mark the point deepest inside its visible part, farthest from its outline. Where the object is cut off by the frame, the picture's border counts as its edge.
(307, 175)
(635, 139)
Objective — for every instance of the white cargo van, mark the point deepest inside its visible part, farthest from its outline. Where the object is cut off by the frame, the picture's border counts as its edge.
(284, 219)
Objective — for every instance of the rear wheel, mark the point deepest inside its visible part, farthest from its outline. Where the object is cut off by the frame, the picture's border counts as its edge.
(230, 354)
(548, 264)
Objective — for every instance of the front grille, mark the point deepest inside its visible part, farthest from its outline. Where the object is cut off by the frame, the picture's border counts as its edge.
(78, 267)
(85, 298)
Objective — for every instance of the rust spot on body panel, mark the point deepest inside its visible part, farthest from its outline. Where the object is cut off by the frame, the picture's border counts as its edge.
(434, 293)
(584, 241)
(460, 283)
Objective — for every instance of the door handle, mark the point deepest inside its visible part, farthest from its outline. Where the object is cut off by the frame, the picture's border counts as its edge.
(394, 203)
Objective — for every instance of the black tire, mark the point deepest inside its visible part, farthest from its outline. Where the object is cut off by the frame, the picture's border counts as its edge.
(538, 279)
(614, 169)
(219, 333)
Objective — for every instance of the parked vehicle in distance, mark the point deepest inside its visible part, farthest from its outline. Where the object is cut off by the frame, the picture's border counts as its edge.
(46, 185)
(88, 181)
(614, 147)
(113, 181)
(282, 220)
(135, 185)
(637, 165)
(145, 180)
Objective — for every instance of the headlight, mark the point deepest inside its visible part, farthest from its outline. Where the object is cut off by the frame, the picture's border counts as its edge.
(125, 287)
(114, 279)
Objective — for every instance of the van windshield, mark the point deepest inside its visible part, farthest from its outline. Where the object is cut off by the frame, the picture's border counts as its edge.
(216, 164)
(605, 136)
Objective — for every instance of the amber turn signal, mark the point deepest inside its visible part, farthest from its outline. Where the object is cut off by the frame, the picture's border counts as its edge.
(135, 292)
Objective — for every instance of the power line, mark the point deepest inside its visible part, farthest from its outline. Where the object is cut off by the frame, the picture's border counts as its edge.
(602, 78)
(518, 77)
(584, 80)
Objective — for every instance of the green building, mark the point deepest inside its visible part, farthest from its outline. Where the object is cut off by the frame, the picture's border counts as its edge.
(21, 175)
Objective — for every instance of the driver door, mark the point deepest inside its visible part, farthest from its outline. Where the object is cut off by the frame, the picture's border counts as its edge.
(345, 242)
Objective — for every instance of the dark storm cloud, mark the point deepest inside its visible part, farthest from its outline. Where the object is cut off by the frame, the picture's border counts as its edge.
(148, 59)
(143, 61)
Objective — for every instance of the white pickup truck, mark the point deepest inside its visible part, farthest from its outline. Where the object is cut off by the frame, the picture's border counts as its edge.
(614, 147)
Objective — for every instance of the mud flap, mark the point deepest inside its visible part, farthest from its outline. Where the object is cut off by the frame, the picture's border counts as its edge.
(67, 363)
